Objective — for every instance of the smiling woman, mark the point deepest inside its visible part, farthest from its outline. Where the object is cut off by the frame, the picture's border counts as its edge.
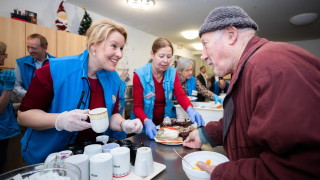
(93, 73)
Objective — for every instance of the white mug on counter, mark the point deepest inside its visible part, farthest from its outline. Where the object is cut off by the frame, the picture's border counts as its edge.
(102, 138)
(99, 119)
(107, 147)
(144, 162)
(92, 149)
(121, 161)
(101, 166)
(82, 162)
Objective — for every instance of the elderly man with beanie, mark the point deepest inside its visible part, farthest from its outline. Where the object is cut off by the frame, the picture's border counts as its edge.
(270, 127)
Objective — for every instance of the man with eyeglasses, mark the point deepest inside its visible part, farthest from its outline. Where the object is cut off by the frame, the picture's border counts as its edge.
(37, 46)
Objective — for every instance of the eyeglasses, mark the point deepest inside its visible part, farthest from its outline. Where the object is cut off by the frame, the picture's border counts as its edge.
(5, 55)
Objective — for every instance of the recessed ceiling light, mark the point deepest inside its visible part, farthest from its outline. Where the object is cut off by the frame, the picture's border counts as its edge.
(197, 46)
(190, 34)
(141, 4)
(303, 19)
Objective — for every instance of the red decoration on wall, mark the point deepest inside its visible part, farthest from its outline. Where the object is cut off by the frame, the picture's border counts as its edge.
(62, 19)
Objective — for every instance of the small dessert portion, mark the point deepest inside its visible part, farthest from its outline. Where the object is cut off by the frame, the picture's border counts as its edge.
(168, 135)
(167, 122)
(184, 126)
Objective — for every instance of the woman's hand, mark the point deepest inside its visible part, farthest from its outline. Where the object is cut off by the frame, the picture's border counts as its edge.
(73, 120)
(132, 126)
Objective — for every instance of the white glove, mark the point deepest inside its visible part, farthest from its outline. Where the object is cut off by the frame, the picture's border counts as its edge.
(132, 126)
(73, 120)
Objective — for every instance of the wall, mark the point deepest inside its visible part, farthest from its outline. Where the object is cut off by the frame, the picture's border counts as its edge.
(137, 50)
(310, 45)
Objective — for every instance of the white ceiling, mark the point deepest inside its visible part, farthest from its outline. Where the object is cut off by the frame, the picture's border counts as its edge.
(169, 17)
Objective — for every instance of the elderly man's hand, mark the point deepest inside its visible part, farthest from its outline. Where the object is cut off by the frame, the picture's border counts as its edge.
(205, 167)
(193, 140)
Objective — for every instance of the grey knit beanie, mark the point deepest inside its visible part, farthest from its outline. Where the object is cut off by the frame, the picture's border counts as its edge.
(222, 17)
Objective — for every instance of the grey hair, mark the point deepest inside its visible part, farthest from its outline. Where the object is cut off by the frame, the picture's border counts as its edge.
(183, 63)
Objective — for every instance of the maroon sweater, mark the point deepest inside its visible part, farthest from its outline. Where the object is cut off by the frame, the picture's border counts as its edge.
(274, 132)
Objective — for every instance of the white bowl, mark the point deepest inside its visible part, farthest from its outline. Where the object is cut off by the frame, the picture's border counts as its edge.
(193, 158)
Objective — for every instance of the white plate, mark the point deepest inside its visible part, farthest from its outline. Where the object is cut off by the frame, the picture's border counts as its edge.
(191, 98)
(158, 167)
(165, 143)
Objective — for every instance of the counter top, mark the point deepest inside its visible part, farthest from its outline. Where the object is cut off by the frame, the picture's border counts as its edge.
(164, 154)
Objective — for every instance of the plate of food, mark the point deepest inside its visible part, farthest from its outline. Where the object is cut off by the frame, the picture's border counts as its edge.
(191, 98)
(168, 136)
(172, 131)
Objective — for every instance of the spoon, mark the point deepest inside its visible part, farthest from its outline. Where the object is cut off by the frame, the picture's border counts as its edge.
(182, 158)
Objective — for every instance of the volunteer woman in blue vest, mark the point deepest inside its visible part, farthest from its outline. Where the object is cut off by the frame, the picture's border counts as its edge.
(56, 106)
(8, 122)
(154, 85)
(190, 84)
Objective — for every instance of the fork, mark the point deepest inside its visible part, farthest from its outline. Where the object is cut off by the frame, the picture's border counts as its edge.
(182, 158)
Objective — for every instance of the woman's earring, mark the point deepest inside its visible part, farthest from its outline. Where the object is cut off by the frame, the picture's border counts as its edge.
(94, 53)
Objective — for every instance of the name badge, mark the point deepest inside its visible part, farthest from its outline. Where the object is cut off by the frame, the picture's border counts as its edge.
(194, 93)
(149, 95)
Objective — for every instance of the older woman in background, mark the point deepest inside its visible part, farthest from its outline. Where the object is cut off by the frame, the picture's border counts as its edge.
(190, 84)
(154, 85)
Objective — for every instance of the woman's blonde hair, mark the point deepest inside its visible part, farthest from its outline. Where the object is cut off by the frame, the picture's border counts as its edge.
(3, 48)
(99, 31)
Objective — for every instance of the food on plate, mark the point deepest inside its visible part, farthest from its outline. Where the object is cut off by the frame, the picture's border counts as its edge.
(167, 121)
(185, 131)
(207, 162)
(184, 123)
(192, 98)
(184, 126)
(167, 133)
(216, 106)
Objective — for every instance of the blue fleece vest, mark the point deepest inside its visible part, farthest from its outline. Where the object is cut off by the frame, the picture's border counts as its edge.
(191, 85)
(71, 91)
(146, 79)
(8, 123)
(27, 67)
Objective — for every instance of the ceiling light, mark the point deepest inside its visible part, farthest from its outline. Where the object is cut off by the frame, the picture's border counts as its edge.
(141, 4)
(303, 19)
(197, 46)
(190, 34)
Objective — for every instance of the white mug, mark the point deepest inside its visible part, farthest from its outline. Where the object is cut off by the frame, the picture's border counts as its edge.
(92, 149)
(121, 161)
(101, 166)
(99, 119)
(82, 162)
(102, 138)
(144, 162)
(107, 147)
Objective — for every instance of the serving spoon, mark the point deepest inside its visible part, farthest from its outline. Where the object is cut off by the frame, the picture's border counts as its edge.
(182, 158)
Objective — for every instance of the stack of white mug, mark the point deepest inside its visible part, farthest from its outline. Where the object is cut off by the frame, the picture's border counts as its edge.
(105, 162)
